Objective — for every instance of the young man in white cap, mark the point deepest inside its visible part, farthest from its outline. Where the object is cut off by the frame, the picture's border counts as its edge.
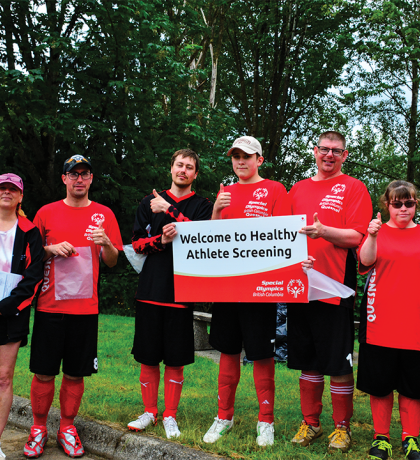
(77, 234)
(254, 324)
(164, 328)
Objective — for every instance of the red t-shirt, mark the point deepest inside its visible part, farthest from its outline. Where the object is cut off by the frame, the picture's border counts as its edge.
(390, 314)
(341, 202)
(260, 199)
(71, 284)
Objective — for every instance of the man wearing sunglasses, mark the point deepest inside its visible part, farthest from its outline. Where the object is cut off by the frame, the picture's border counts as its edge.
(321, 333)
(77, 234)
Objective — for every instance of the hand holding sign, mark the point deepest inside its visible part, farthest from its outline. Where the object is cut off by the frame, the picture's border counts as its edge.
(158, 204)
(314, 231)
(375, 225)
(168, 233)
(308, 263)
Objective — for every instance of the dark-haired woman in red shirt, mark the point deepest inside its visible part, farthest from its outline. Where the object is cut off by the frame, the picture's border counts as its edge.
(389, 357)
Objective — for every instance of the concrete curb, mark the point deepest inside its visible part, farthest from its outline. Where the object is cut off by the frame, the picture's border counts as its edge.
(106, 441)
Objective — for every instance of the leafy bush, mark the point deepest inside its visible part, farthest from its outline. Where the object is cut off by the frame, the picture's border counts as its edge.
(361, 281)
(117, 290)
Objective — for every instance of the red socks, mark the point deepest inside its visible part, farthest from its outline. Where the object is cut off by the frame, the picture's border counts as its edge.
(174, 379)
(149, 381)
(381, 413)
(342, 401)
(410, 416)
(42, 395)
(311, 388)
(229, 374)
(71, 393)
(264, 385)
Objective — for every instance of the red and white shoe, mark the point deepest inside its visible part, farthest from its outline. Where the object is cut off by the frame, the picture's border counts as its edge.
(69, 440)
(143, 422)
(34, 448)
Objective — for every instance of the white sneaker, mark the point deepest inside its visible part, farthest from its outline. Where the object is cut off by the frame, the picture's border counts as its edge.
(171, 428)
(217, 430)
(265, 433)
(142, 422)
(2, 454)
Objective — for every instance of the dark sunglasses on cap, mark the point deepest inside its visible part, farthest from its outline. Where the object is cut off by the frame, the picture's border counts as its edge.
(399, 204)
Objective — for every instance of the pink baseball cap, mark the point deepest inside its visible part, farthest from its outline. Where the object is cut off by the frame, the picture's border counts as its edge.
(12, 179)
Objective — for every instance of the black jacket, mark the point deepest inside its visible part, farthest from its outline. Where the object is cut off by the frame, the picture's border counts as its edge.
(156, 280)
(28, 253)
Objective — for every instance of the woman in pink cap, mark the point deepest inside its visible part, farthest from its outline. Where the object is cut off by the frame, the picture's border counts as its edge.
(21, 272)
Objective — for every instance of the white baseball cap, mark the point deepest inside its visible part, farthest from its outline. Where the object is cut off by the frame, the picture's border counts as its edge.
(247, 144)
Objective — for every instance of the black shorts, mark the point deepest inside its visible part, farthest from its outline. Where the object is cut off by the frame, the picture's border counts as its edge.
(60, 337)
(250, 324)
(15, 328)
(382, 370)
(163, 333)
(320, 337)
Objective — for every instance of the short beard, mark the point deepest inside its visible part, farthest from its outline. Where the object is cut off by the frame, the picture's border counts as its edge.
(182, 184)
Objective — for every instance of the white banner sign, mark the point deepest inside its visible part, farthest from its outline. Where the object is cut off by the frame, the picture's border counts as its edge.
(241, 260)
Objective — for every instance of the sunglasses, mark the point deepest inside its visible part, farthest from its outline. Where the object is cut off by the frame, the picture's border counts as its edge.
(399, 204)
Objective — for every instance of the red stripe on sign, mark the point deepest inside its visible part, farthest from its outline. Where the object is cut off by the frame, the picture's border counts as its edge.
(288, 284)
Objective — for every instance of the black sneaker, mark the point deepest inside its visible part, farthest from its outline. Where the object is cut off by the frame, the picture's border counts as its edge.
(381, 448)
(411, 448)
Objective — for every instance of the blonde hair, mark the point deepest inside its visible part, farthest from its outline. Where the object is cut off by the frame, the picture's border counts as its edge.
(19, 211)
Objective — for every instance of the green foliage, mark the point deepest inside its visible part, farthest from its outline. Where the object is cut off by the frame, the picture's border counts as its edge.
(385, 81)
(128, 83)
(108, 81)
(375, 160)
(116, 293)
(361, 282)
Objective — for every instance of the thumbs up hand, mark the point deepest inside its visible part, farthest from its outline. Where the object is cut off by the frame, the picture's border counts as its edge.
(223, 200)
(158, 204)
(99, 236)
(314, 231)
(375, 225)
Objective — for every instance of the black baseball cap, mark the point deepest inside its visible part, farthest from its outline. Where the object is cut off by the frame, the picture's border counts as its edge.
(75, 160)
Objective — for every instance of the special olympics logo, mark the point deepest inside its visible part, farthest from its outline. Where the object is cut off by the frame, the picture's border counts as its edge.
(260, 193)
(98, 218)
(338, 188)
(295, 287)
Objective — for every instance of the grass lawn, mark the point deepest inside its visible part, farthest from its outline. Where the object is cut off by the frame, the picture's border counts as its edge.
(113, 396)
